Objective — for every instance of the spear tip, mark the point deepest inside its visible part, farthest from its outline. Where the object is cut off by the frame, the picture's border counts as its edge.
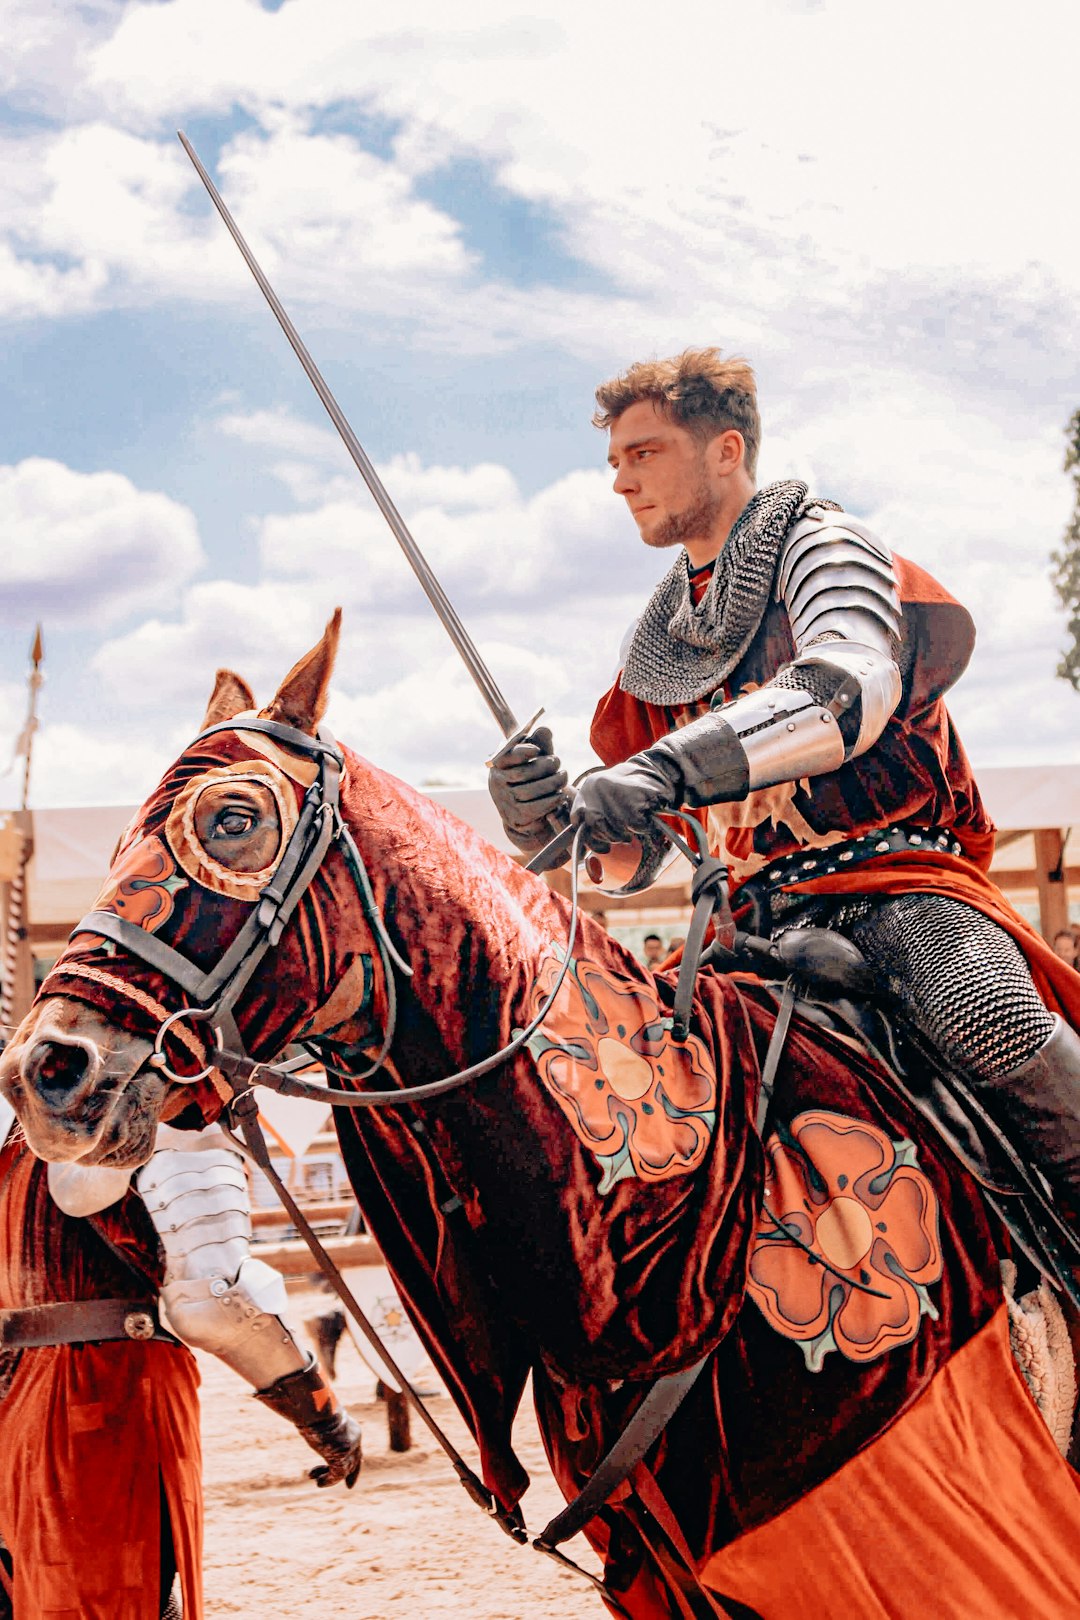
(37, 651)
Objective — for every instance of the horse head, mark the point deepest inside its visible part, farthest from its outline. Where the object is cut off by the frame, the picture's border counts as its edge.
(193, 866)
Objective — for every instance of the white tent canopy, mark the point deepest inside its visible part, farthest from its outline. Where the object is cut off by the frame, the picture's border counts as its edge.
(73, 847)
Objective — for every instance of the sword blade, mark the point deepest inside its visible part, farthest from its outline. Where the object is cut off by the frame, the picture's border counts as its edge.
(485, 681)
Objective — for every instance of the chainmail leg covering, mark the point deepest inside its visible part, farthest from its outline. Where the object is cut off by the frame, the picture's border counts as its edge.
(959, 978)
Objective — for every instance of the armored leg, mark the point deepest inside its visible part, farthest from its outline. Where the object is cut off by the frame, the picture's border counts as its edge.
(965, 985)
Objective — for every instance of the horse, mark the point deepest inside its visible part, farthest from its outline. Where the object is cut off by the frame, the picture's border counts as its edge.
(597, 1210)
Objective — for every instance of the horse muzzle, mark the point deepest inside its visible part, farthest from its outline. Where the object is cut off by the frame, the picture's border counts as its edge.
(70, 1078)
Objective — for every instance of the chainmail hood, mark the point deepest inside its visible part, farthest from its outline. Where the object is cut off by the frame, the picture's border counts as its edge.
(678, 652)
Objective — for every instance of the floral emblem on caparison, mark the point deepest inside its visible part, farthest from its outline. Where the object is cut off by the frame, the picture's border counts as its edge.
(847, 1240)
(645, 1106)
(142, 884)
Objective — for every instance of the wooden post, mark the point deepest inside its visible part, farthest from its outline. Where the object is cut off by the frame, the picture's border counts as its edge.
(1050, 878)
(16, 957)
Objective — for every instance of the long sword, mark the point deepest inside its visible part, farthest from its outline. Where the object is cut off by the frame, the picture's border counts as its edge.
(485, 681)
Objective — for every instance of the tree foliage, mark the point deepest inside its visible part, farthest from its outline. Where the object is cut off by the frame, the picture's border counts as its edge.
(1066, 561)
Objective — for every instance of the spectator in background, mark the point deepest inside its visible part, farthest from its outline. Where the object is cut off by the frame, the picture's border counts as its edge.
(653, 950)
(1065, 946)
(676, 943)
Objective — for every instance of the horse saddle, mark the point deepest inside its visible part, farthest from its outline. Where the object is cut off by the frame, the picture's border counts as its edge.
(825, 978)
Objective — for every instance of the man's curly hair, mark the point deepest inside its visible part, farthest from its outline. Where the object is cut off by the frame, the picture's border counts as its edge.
(698, 389)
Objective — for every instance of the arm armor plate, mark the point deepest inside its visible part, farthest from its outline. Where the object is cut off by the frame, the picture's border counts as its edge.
(217, 1297)
(835, 697)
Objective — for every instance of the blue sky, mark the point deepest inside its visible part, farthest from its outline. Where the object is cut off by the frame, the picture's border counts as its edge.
(473, 222)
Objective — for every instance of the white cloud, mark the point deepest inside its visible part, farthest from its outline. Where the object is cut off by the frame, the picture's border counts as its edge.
(409, 482)
(929, 162)
(168, 665)
(81, 544)
(99, 217)
(793, 215)
(280, 430)
(880, 225)
(88, 764)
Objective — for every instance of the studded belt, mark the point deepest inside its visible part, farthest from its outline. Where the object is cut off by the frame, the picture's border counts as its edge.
(80, 1321)
(804, 865)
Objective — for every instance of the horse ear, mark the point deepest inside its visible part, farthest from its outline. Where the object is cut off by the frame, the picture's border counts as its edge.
(230, 697)
(300, 700)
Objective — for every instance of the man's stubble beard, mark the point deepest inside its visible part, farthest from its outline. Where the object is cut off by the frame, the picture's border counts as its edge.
(695, 522)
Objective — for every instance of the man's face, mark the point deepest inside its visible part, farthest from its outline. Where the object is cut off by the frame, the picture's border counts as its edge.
(661, 471)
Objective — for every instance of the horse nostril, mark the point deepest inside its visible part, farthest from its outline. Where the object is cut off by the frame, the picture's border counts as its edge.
(55, 1066)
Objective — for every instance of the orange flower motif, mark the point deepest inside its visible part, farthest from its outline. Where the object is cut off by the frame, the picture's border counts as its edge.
(645, 1106)
(847, 1240)
(141, 885)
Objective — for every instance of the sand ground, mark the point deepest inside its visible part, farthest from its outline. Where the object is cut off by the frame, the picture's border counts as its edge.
(405, 1542)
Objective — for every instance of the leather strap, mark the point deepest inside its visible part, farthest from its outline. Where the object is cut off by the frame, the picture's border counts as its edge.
(772, 1057)
(81, 1321)
(643, 1430)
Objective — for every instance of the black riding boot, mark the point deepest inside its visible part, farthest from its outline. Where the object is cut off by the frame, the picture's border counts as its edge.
(1040, 1100)
(306, 1399)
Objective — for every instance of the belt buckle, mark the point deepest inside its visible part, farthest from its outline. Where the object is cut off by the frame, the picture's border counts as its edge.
(139, 1325)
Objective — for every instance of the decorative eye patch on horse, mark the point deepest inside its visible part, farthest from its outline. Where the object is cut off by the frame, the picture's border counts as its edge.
(219, 825)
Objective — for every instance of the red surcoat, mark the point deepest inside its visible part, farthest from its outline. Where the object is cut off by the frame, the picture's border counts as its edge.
(93, 1438)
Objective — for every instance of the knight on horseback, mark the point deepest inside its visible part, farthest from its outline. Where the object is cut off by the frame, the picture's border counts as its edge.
(787, 679)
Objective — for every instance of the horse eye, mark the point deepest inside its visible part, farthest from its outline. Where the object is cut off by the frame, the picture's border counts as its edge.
(234, 823)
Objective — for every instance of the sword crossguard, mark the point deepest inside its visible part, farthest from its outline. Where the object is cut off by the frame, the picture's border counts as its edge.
(512, 741)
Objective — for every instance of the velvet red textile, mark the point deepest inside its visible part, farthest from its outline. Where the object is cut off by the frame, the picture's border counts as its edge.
(95, 1438)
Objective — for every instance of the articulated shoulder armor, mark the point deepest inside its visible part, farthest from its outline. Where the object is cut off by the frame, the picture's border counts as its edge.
(834, 699)
(199, 1205)
(217, 1297)
(836, 578)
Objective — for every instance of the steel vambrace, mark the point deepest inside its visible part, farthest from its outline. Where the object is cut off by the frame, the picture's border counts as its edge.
(836, 696)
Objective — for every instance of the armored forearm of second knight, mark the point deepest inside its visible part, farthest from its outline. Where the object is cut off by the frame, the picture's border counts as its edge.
(218, 1297)
(829, 703)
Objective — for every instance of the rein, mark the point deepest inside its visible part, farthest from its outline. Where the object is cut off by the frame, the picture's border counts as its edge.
(213, 997)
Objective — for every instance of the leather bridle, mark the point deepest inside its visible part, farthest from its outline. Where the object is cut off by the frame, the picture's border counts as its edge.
(215, 992)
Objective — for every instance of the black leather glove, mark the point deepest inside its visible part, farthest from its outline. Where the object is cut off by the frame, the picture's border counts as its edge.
(307, 1400)
(702, 763)
(528, 785)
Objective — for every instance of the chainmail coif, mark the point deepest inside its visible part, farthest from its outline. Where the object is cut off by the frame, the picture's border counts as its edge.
(679, 652)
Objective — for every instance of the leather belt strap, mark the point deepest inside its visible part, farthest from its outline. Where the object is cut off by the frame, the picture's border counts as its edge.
(806, 865)
(81, 1321)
